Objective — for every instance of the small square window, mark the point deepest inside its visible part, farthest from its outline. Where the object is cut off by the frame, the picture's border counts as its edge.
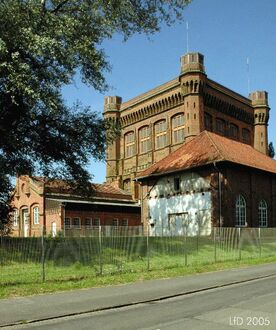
(125, 222)
(67, 223)
(76, 223)
(96, 222)
(115, 222)
(88, 223)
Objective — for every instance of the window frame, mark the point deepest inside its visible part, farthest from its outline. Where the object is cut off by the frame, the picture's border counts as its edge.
(178, 128)
(36, 216)
(262, 213)
(220, 122)
(160, 135)
(79, 221)
(15, 215)
(144, 141)
(86, 221)
(129, 145)
(67, 226)
(240, 211)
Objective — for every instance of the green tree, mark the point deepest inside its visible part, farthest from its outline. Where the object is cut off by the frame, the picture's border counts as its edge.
(271, 151)
(43, 45)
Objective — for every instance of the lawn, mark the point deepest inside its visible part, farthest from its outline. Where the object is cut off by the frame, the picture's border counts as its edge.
(71, 263)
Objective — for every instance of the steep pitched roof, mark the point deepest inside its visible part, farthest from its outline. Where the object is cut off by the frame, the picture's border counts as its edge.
(207, 148)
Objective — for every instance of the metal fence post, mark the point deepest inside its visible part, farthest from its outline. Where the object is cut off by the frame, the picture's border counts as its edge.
(185, 247)
(215, 243)
(100, 250)
(260, 242)
(239, 233)
(148, 252)
(43, 254)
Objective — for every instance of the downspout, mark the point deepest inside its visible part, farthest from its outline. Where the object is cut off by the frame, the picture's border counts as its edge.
(219, 192)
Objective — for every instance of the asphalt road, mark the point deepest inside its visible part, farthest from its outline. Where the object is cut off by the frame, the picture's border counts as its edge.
(249, 305)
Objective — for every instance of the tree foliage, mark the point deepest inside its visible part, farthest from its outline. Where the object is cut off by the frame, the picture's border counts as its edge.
(43, 45)
(271, 151)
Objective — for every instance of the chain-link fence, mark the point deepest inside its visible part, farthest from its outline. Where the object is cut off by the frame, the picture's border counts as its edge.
(109, 250)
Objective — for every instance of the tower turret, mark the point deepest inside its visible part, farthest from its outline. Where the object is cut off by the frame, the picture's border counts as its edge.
(112, 106)
(259, 101)
(192, 79)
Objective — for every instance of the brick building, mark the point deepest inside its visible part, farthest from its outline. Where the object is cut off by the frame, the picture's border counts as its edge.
(209, 181)
(51, 204)
(159, 121)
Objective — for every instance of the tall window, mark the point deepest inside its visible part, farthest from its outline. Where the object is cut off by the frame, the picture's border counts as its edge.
(15, 217)
(67, 223)
(208, 121)
(178, 128)
(240, 211)
(129, 144)
(144, 139)
(234, 131)
(127, 185)
(246, 135)
(36, 215)
(160, 129)
(262, 213)
(220, 126)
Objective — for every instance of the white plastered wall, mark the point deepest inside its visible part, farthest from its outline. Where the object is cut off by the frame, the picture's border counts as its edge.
(186, 211)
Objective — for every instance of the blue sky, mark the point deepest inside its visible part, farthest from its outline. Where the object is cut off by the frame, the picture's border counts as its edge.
(225, 32)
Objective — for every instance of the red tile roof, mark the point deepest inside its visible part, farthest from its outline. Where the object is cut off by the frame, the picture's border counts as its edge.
(207, 148)
(100, 191)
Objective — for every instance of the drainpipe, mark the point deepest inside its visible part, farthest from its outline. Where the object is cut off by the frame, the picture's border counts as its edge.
(219, 192)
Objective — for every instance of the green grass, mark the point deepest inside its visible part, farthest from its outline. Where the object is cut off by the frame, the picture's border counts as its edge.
(75, 264)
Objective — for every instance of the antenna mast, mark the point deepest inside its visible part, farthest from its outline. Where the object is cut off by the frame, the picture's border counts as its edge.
(187, 32)
(248, 76)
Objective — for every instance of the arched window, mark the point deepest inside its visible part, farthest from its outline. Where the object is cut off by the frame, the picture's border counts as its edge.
(127, 185)
(240, 211)
(234, 131)
(262, 213)
(178, 128)
(36, 215)
(160, 130)
(208, 121)
(15, 217)
(144, 139)
(129, 144)
(246, 135)
(220, 126)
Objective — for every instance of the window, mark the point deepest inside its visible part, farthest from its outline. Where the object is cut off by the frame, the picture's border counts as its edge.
(115, 223)
(76, 223)
(88, 223)
(208, 122)
(67, 223)
(160, 129)
(220, 126)
(262, 213)
(176, 183)
(15, 217)
(36, 215)
(125, 222)
(246, 135)
(178, 128)
(96, 222)
(240, 211)
(234, 131)
(129, 144)
(144, 139)
(127, 186)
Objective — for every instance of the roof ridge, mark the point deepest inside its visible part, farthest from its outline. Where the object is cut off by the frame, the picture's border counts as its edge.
(214, 144)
